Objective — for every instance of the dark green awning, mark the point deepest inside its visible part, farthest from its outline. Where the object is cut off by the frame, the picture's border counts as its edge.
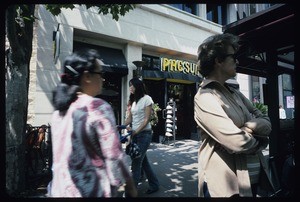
(113, 59)
(150, 74)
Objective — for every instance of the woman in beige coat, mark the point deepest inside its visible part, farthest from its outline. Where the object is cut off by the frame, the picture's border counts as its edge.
(233, 132)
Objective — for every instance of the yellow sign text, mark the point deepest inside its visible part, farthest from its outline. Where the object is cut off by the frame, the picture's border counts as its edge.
(181, 66)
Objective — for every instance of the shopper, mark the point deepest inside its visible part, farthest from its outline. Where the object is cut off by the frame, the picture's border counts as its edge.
(233, 131)
(139, 118)
(88, 160)
(129, 104)
(282, 114)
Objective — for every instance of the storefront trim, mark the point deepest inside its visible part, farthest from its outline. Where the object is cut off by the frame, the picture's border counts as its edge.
(171, 76)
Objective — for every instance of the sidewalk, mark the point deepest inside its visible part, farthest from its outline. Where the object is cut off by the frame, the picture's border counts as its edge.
(175, 167)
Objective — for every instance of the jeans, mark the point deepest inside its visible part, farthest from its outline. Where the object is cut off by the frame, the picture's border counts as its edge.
(143, 139)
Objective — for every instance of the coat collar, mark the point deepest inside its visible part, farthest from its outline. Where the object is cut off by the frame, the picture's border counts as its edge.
(208, 82)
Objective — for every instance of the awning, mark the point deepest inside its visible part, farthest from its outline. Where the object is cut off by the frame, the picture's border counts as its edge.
(267, 50)
(269, 30)
(113, 59)
(171, 76)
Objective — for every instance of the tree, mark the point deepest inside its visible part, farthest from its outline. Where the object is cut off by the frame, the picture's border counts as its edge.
(19, 24)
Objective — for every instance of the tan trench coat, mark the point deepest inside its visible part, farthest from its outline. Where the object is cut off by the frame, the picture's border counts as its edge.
(220, 112)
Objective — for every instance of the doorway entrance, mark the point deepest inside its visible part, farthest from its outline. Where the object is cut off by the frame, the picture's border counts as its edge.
(183, 94)
(111, 92)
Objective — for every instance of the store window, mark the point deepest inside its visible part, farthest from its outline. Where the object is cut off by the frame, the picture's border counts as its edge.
(255, 86)
(252, 8)
(190, 8)
(288, 97)
(151, 62)
(217, 13)
(287, 82)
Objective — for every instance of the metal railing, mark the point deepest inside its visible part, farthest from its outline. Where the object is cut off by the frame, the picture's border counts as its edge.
(38, 152)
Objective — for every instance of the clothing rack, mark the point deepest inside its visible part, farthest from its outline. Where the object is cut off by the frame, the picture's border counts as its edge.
(170, 124)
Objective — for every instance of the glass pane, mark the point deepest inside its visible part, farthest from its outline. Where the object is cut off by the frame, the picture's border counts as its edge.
(255, 89)
(179, 6)
(252, 9)
(286, 82)
(156, 63)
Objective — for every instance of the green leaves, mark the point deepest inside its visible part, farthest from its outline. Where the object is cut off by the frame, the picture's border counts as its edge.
(154, 117)
(263, 108)
(55, 9)
(114, 9)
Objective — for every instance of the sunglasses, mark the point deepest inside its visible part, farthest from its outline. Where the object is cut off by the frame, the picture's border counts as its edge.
(233, 55)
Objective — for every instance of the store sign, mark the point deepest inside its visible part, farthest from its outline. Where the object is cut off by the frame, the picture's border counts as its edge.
(172, 65)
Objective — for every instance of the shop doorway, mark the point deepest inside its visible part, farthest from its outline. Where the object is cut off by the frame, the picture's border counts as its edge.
(111, 93)
(115, 69)
(183, 95)
(156, 89)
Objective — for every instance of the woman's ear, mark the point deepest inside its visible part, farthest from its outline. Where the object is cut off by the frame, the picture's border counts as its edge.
(86, 77)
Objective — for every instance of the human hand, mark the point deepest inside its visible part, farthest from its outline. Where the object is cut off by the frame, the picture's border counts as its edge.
(129, 130)
(260, 126)
(246, 129)
(121, 127)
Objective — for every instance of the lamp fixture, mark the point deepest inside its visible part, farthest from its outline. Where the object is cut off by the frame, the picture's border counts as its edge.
(139, 65)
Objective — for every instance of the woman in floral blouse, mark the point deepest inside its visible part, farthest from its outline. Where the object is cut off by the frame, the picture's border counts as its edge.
(88, 160)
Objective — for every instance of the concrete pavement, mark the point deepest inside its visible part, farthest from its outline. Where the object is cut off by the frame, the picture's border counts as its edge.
(175, 167)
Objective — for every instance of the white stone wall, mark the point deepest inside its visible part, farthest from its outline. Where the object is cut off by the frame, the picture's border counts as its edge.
(32, 77)
(132, 53)
(243, 81)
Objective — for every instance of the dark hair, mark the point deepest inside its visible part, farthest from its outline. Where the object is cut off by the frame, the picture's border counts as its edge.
(140, 90)
(74, 66)
(215, 47)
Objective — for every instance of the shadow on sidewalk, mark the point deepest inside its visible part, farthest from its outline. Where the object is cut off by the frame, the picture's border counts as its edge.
(176, 168)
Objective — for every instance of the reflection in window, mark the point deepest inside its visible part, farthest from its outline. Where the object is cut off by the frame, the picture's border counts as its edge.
(255, 89)
(151, 62)
(217, 13)
(252, 9)
(190, 8)
(286, 82)
(288, 95)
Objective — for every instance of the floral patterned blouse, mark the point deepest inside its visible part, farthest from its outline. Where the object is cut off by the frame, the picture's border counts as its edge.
(88, 160)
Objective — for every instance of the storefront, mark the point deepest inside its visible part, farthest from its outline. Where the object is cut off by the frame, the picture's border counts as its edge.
(164, 78)
(167, 78)
(133, 38)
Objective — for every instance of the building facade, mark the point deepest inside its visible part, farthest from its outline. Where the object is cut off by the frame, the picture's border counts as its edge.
(162, 38)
